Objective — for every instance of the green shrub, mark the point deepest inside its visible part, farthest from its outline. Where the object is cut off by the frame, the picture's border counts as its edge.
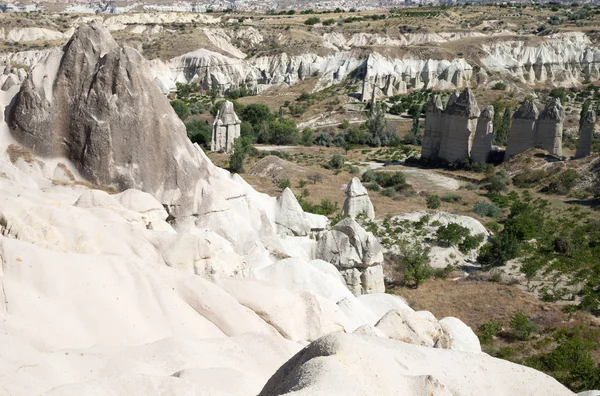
(433, 201)
(452, 234)
(451, 197)
(488, 331)
(487, 209)
(197, 108)
(373, 186)
(312, 21)
(336, 161)
(470, 243)
(529, 178)
(499, 86)
(521, 327)
(181, 109)
(198, 132)
(413, 262)
(283, 184)
(563, 182)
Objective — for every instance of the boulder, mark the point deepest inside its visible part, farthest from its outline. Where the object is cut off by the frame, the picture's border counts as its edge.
(357, 201)
(356, 365)
(460, 336)
(414, 328)
(290, 219)
(586, 134)
(356, 253)
(484, 133)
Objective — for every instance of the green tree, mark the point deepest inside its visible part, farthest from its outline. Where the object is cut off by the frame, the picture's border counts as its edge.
(256, 114)
(214, 90)
(198, 132)
(376, 122)
(433, 201)
(181, 109)
(241, 148)
(336, 161)
(521, 327)
(308, 136)
(413, 261)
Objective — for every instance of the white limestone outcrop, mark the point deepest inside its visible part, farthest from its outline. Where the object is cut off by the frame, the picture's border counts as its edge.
(357, 201)
(226, 128)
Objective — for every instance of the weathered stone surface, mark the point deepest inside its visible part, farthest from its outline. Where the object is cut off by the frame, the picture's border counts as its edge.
(550, 128)
(226, 129)
(482, 140)
(357, 201)
(433, 128)
(289, 216)
(523, 129)
(586, 133)
(97, 105)
(459, 124)
(353, 250)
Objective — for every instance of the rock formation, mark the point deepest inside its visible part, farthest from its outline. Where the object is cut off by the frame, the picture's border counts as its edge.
(528, 131)
(433, 128)
(289, 216)
(78, 105)
(586, 134)
(523, 129)
(550, 128)
(484, 133)
(459, 124)
(226, 129)
(356, 253)
(357, 201)
(113, 294)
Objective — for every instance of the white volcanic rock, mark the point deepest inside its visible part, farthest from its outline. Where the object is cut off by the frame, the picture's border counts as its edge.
(289, 216)
(36, 34)
(413, 328)
(586, 134)
(353, 365)
(96, 300)
(356, 253)
(226, 128)
(563, 59)
(460, 336)
(357, 201)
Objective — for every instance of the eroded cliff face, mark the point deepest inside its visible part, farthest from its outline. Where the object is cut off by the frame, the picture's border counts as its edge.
(565, 59)
(387, 65)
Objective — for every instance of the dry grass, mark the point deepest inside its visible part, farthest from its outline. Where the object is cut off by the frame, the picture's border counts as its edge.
(16, 152)
(477, 302)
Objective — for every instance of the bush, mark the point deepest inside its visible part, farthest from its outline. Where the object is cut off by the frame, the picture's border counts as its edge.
(499, 86)
(315, 178)
(488, 331)
(369, 176)
(181, 109)
(530, 178)
(497, 182)
(470, 243)
(323, 139)
(312, 21)
(451, 234)
(336, 161)
(413, 262)
(197, 108)
(563, 182)
(487, 209)
(328, 22)
(198, 132)
(256, 114)
(499, 250)
(308, 136)
(521, 327)
(241, 148)
(373, 186)
(451, 197)
(433, 201)
(284, 183)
